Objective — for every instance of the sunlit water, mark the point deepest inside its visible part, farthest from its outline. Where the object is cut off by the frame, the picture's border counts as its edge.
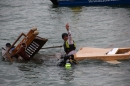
(90, 26)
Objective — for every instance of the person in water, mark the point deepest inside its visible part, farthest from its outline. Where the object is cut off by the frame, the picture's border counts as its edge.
(21, 54)
(8, 46)
(69, 47)
(4, 50)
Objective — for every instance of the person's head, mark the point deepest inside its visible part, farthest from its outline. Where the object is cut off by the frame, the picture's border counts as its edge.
(65, 36)
(8, 45)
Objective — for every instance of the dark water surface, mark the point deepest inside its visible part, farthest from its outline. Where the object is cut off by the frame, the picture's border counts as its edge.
(91, 26)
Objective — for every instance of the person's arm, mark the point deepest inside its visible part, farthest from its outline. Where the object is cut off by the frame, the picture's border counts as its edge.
(70, 40)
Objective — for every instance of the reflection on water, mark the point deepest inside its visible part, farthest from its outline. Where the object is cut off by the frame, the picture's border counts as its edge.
(67, 75)
(76, 9)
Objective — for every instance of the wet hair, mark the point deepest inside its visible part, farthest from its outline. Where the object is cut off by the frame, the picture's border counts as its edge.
(64, 34)
(8, 45)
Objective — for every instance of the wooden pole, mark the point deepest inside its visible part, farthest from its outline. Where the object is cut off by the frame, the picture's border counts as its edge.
(52, 47)
(16, 41)
(7, 53)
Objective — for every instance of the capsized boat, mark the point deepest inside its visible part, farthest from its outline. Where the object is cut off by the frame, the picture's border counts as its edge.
(25, 46)
(89, 2)
(110, 55)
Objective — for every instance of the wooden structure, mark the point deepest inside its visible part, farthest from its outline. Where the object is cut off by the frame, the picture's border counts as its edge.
(33, 44)
(110, 55)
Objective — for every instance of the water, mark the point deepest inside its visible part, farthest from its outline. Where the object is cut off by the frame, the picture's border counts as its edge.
(91, 26)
